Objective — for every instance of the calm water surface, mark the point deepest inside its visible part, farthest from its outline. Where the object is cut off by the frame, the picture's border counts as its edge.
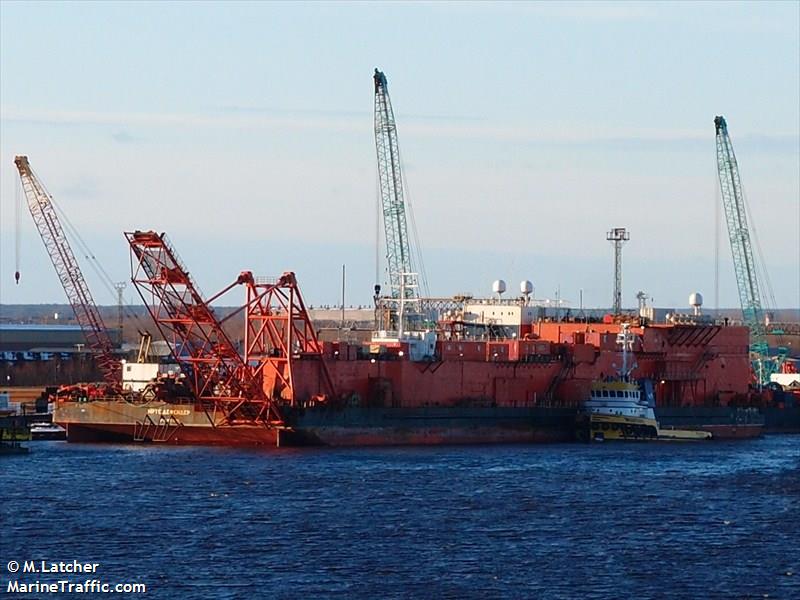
(710, 520)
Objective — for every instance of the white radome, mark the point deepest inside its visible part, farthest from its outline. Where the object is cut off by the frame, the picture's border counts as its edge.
(696, 299)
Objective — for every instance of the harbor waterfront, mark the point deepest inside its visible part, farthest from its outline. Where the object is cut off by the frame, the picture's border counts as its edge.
(539, 521)
(400, 300)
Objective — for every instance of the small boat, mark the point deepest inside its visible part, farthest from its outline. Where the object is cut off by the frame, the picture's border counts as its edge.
(47, 431)
(617, 409)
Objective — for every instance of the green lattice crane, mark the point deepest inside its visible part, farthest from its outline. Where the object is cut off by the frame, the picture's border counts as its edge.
(399, 261)
(744, 264)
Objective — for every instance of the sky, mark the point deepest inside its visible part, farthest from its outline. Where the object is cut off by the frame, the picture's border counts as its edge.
(527, 131)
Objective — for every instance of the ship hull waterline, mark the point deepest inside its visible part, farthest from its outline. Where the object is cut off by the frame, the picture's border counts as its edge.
(122, 422)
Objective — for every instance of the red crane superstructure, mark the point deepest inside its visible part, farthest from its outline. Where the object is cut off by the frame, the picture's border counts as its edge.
(246, 388)
(69, 272)
(278, 332)
(275, 383)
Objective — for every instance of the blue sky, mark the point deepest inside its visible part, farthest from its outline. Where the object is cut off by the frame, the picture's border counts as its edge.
(527, 131)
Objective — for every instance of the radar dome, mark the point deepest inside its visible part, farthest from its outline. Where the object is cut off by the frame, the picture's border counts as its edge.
(696, 301)
(499, 286)
(526, 287)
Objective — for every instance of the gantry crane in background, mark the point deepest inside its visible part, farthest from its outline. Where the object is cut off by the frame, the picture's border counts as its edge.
(252, 387)
(69, 272)
(403, 279)
(744, 264)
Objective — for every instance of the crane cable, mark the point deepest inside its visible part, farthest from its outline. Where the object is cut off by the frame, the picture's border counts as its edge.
(378, 219)
(17, 227)
(761, 263)
(105, 278)
(76, 237)
(717, 227)
(417, 248)
(95, 264)
(763, 279)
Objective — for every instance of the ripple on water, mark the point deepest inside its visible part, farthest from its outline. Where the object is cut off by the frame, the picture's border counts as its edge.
(556, 521)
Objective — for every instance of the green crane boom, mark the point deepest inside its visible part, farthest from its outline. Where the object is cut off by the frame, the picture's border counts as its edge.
(400, 263)
(744, 264)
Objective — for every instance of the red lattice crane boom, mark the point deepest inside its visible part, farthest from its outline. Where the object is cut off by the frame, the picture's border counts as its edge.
(69, 272)
(278, 330)
(216, 371)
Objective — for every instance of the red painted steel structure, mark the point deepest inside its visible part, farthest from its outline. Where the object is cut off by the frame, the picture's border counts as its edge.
(218, 375)
(468, 390)
(69, 272)
(249, 388)
(278, 331)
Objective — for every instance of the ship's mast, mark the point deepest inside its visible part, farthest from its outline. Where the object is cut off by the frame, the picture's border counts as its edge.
(625, 341)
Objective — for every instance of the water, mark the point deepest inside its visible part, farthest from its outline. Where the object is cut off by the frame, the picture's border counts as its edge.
(710, 520)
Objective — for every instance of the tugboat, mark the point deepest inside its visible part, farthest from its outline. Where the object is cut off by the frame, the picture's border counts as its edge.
(617, 410)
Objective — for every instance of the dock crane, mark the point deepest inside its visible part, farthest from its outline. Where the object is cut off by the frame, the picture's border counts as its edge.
(744, 264)
(69, 272)
(402, 276)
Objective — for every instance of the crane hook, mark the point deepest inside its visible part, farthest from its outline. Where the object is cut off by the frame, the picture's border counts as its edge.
(16, 277)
